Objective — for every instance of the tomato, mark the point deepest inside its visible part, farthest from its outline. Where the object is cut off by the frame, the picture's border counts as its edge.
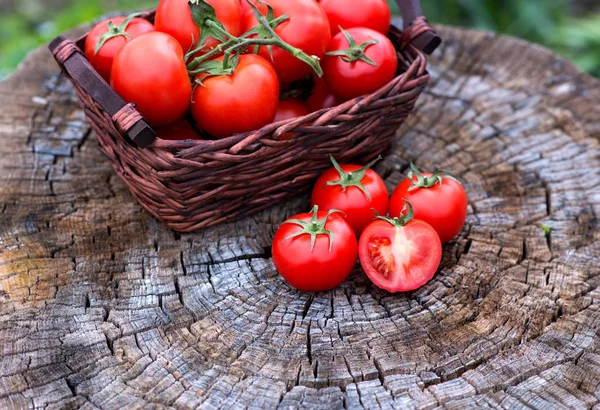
(288, 109)
(244, 101)
(359, 76)
(354, 190)
(174, 17)
(307, 29)
(373, 14)
(161, 91)
(245, 7)
(178, 131)
(399, 255)
(438, 199)
(103, 60)
(321, 96)
(315, 251)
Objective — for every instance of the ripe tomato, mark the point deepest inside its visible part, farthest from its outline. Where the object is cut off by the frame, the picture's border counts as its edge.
(174, 17)
(316, 251)
(354, 190)
(353, 74)
(321, 96)
(288, 109)
(161, 91)
(373, 14)
(180, 130)
(244, 6)
(307, 29)
(103, 60)
(399, 255)
(241, 102)
(438, 199)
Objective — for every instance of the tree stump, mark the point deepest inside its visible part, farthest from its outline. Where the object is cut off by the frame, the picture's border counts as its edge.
(103, 307)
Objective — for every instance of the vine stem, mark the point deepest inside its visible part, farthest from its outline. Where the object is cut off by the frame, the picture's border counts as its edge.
(237, 43)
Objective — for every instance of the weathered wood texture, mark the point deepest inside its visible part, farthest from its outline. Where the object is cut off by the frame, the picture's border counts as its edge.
(101, 306)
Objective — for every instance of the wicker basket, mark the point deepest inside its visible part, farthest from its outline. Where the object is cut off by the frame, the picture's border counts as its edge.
(194, 184)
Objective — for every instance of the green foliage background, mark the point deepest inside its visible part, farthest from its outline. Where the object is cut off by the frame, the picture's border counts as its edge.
(569, 27)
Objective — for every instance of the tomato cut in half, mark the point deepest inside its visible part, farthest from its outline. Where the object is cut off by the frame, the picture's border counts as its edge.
(399, 256)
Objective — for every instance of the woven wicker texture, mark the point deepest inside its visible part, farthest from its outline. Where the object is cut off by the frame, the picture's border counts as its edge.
(194, 184)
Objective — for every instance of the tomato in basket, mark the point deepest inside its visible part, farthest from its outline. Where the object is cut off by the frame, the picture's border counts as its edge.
(150, 72)
(373, 14)
(321, 96)
(243, 101)
(359, 61)
(174, 17)
(108, 37)
(307, 29)
(288, 109)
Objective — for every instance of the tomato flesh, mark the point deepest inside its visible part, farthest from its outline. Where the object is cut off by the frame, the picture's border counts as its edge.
(400, 259)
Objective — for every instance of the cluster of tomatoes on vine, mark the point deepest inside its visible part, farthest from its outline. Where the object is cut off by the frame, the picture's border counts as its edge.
(219, 67)
(400, 245)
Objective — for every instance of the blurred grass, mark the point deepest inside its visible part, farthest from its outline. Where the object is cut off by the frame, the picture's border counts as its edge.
(569, 27)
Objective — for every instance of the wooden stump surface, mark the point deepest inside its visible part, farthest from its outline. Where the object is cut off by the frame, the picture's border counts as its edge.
(103, 307)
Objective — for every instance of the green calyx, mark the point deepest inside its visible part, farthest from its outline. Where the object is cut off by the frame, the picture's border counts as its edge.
(353, 178)
(114, 31)
(355, 51)
(313, 228)
(426, 182)
(406, 215)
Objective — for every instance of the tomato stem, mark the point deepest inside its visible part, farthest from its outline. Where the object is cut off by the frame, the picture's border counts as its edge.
(205, 18)
(115, 31)
(313, 228)
(353, 178)
(401, 220)
(355, 51)
(426, 182)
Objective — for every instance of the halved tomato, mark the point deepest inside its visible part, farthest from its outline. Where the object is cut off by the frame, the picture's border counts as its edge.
(399, 254)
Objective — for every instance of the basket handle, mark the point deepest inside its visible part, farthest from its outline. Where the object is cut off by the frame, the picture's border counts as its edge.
(416, 29)
(127, 120)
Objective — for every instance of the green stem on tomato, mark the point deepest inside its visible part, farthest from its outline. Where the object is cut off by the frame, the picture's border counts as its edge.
(232, 44)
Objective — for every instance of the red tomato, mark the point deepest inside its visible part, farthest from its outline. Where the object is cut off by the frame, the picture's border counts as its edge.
(244, 101)
(321, 96)
(439, 200)
(161, 91)
(354, 190)
(289, 109)
(359, 77)
(178, 131)
(373, 14)
(174, 17)
(307, 29)
(314, 252)
(103, 60)
(399, 255)
(244, 6)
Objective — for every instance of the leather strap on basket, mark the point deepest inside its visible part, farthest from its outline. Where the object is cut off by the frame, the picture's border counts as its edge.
(88, 82)
(126, 118)
(64, 50)
(417, 30)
